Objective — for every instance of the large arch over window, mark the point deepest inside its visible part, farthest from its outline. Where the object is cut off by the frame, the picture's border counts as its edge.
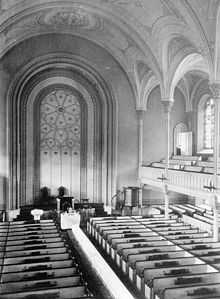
(69, 76)
(205, 125)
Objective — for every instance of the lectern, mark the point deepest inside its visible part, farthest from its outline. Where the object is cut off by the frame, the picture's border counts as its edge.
(131, 196)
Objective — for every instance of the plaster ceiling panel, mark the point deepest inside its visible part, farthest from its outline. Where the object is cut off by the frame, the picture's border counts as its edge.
(145, 11)
(206, 13)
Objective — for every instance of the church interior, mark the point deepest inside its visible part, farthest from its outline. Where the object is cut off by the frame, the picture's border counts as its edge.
(110, 149)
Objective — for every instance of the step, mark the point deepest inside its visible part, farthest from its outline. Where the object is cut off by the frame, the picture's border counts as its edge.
(36, 259)
(22, 253)
(25, 276)
(58, 293)
(34, 246)
(38, 266)
(11, 287)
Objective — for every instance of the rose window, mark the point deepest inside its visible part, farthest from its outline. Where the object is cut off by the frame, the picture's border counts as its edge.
(60, 121)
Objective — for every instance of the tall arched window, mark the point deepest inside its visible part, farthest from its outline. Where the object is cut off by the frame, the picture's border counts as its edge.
(205, 125)
(208, 137)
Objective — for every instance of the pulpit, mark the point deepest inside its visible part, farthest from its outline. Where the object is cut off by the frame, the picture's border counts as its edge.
(131, 196)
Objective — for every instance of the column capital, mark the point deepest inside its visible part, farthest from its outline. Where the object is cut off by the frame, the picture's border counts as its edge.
(215, 89)
(140, 113)
(167, 104)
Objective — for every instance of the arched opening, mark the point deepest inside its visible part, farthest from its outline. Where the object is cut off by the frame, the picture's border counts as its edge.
(50, 145)
(205, 125)
(177, 140)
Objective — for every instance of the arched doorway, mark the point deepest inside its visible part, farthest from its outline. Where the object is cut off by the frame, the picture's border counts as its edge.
(52, 146)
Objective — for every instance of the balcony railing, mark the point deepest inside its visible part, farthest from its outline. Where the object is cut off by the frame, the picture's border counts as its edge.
(186, 182)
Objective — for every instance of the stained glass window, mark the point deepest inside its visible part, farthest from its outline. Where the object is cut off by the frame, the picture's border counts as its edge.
(209, 124)
(60, 121)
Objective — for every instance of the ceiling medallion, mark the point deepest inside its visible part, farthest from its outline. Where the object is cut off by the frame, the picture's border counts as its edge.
(71, 18)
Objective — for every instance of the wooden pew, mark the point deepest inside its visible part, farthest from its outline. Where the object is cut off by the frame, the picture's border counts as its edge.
(35, 252)
(46, 265)
(145, 282)
(26, 276)
(201, 246)
(140, 266)
(58, 293)
(111, 240)
(188, 236)
(33, 242)
(130, 257)
(195, 240)
(34, 259)
(161, 284)
(22, 286)
(33, 246)
(111, 249)
(193, 291)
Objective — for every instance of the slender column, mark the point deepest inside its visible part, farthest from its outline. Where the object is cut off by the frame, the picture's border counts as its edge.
(140, 115)
(167, 104)
(189, 117)
(215, 88)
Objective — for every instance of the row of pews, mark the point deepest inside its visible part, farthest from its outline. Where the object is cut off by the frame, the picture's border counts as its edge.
(35, 263)
(200, 216)
(163, 258)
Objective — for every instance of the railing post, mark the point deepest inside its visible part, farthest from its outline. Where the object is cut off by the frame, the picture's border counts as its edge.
(215, 219)
(58, 205)
(140, 196)
(166, 197)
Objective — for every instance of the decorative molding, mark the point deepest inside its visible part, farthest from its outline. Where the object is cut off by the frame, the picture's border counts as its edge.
(167, 105)
(215, 89)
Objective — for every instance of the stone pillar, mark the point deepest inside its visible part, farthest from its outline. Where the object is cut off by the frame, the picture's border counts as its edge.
(5, 203)
(189, 119)
(140, 115)
(215, 88)
(167, 104)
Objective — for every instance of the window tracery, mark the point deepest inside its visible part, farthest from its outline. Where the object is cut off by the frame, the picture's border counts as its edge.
(60, 121)
(208, 137)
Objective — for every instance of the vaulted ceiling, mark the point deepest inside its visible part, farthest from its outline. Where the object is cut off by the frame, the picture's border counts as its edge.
(155, 41)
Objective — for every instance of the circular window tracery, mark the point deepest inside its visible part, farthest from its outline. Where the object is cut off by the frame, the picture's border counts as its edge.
(60, 121)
